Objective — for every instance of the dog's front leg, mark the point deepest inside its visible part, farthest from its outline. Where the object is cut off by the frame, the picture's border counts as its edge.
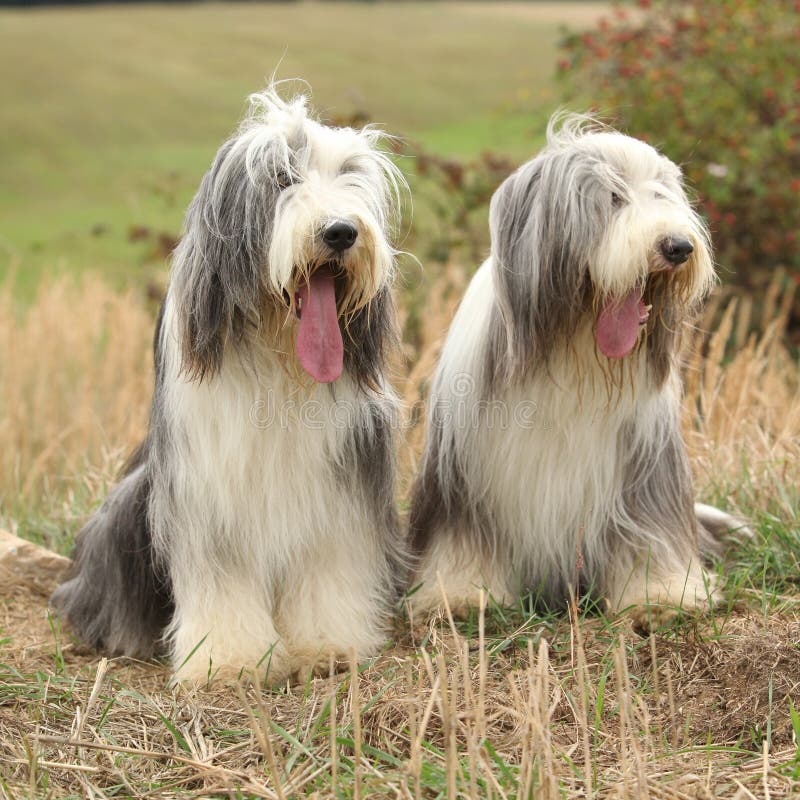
(454, 570)
(223, 629)
(337, 603)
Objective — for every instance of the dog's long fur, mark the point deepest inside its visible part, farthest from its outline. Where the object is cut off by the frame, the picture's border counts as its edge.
(550, 468)
(255, 525)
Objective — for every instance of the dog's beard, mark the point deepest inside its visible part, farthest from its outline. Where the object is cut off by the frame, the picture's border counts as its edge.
(324, 290)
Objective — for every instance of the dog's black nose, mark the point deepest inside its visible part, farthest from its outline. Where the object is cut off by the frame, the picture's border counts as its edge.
(676, 249)
(340, 236)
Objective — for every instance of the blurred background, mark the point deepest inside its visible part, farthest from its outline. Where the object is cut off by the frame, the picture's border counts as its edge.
(110, 114)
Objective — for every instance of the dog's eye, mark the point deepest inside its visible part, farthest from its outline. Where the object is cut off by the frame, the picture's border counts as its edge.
(283, 178)
(616, 200)
(659, 196)
(351, 166)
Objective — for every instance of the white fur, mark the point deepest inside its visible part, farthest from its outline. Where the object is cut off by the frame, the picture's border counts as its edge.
(340, 176)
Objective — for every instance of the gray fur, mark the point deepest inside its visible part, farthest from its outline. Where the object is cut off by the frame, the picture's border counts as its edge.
(117, 597)
(224, 248)
(541, 254)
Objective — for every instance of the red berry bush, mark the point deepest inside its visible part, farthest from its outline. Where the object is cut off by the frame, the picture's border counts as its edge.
(716, 85)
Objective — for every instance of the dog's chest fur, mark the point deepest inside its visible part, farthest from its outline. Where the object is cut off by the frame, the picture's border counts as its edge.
(557, 482)
(255, 459)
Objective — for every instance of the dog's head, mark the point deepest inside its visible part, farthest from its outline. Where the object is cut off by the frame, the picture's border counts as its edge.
(292, 223)
(596, 229)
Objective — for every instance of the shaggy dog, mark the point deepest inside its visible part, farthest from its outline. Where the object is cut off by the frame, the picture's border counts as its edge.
(255, 526)
(554, 461)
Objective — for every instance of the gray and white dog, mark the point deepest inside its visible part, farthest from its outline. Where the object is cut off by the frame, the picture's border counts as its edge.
(255, 524)
(554, 460)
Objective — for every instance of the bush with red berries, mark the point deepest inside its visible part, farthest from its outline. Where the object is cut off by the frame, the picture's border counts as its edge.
(715, 84)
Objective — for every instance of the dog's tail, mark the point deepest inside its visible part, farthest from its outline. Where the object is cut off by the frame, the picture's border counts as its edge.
(716, 529)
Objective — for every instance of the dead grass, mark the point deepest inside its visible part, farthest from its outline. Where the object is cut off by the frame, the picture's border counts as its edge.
(503, 705)
(742, 410)
(75, 384)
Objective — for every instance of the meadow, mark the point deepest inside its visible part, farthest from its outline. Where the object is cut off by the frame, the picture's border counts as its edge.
(111, 119)
(114, 113)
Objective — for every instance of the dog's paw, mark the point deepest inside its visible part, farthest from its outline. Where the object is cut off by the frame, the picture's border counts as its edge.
(307, 669)
(646, 617)
(653, 600)
(650, 618)
(720, 525)
(200, 674)
(461, 603)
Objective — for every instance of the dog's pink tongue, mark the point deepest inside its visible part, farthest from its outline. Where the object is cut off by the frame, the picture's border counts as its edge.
(618, 324)
(319, 340)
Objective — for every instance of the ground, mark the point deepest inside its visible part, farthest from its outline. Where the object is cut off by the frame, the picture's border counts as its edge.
(476, 710)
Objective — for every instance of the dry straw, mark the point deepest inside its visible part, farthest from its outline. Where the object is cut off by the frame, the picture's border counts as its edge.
(75, 379)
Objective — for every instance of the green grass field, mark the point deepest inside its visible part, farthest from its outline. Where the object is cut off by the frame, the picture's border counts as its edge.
(110, 115)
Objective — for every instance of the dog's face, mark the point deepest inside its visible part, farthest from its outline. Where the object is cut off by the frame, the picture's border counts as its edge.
(653, 262)
(292, 222)
(597, 228)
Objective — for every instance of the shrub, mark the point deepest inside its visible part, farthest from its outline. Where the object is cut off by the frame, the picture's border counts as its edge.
(714, 84)
(455, 195)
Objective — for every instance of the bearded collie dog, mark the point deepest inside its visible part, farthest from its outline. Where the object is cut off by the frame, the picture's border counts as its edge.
(554, 464)
(254, 528)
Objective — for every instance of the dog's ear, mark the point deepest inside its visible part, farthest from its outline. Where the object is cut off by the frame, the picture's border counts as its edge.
(220, 261)
(515, 269)
(540, 264)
